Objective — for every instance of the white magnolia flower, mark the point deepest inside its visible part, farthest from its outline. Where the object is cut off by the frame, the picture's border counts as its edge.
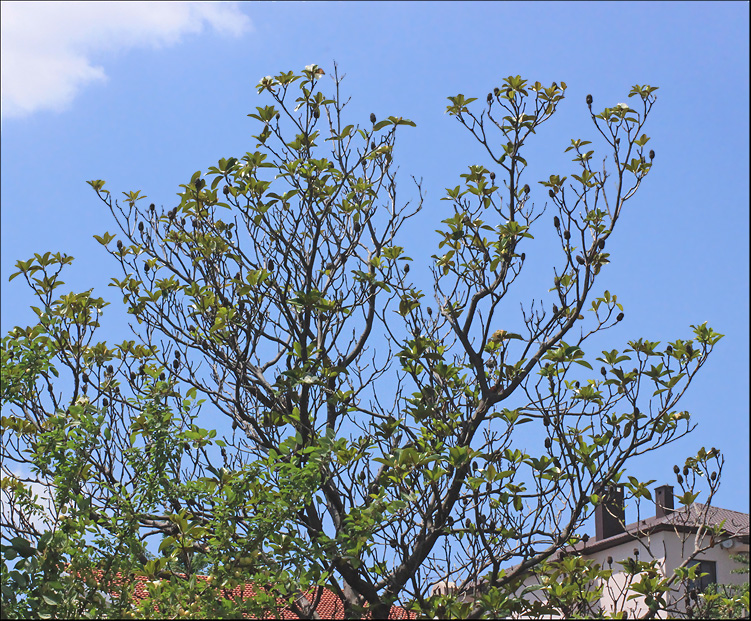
(315, 69)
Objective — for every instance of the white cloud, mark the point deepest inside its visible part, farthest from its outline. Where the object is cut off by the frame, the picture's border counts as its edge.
(48, 48)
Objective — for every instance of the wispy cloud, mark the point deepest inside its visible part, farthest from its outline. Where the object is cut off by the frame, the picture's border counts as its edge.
(49, 48)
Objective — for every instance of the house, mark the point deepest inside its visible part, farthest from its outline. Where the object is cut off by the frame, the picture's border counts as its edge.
(670, 536)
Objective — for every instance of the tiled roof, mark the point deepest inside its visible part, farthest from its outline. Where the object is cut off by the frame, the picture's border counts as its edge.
(685, 518)
(736, 523)
(329, 605)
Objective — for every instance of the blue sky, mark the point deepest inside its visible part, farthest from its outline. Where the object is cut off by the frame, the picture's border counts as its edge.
(144, 94)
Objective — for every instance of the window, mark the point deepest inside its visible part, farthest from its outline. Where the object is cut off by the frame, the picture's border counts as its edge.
(709, 568)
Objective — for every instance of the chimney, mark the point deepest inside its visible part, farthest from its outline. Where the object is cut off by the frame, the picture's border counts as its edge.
(663, 500)
(610, 513)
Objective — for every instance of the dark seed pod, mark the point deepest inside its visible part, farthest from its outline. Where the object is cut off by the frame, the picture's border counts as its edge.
(603, 371)
(85, 378)
(225, 189)
(610, 560)
(580, 259)
(372, 118)
(490, 97)
(676, 469)
(616, 441)
(119, 244)
(685, 471)
(182, 223)
(566, 234)
(713, 476)
(589, 100)
(271, 265)
(468, 523)
(669, 349)
(680, 479)
(372, 146)
(140, 227)
(356, 227)
(551, 194)
(636, 552)
(316, 113)
(556, 222)
(555, 309)
(492, 176)
(546, 420)
(278, 116)
(176, 364)
(152, 207)
(110, 369)
(133, 376)
(146, 267)
(430, 311)
(525, 189)
(142, 370)
(651, 154)
(601, 244)
(496, 91)
(194, 222)
(162, 377)
(619, 317)
(548, 443)
(524, 256)
(406, 268)
(105, 402)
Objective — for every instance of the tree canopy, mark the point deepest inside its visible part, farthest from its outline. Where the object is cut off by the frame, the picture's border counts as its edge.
(295, 411)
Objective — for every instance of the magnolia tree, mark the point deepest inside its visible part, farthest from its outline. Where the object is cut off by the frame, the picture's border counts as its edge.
(295, 413)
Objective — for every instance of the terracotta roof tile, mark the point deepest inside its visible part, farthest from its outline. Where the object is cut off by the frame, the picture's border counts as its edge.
(329, 605)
